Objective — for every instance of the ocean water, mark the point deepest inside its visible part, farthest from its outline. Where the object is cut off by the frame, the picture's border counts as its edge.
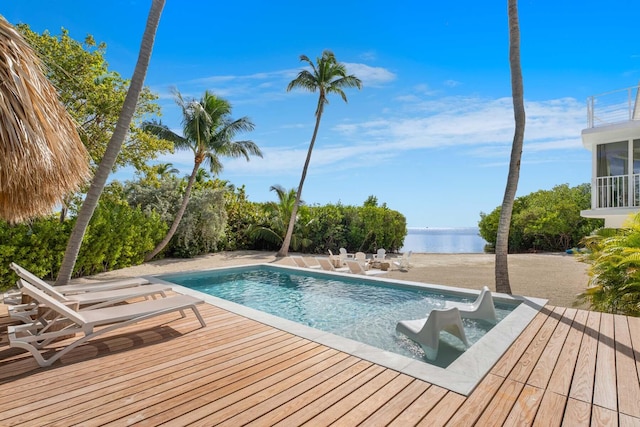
(444, 240)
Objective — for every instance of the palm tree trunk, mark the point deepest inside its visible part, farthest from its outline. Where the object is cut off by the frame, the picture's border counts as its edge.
(517, 90)
(179, 215)
(284, 249)
(115, 143)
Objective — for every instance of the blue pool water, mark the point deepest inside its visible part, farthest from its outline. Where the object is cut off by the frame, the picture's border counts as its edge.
(355, 308)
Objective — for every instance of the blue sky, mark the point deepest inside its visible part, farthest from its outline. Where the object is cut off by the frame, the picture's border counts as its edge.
(430, 132)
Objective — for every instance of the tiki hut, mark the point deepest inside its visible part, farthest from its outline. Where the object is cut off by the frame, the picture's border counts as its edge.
(42, 158)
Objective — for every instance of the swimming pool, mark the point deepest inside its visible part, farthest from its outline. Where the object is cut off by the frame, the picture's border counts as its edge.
(351, 310)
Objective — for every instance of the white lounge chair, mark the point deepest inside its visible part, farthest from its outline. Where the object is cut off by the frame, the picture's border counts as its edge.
(344, 255)
(35, 336)
(87, 300)
(380, 255)
(327, 264)
(356, 268)
(426, 332)
(403, 263)
(301, 262)
(361, 257)
(81, 288)
(482, 308)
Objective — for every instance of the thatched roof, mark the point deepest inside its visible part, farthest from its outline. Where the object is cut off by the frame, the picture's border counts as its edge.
(42, 158)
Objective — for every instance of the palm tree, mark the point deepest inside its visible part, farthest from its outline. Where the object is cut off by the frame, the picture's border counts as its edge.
(208, 131)
(326, 77)
(115, 143)
(165, 169)
(517, 90)
(280, 213)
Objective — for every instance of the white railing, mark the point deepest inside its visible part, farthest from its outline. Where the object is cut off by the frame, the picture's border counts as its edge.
(613, 191)
(613, 107)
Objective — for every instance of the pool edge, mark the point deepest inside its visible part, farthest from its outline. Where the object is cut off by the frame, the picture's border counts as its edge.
(461, 376)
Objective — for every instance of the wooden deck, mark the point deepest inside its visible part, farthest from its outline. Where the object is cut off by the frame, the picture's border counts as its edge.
(569, 367)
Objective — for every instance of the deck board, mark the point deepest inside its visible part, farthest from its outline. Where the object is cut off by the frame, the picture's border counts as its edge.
(560, 381)
(584, 375)
(604, 392)
(569, 367)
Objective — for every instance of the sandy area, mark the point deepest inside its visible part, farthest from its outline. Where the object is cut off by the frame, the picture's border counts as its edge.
(557, 277)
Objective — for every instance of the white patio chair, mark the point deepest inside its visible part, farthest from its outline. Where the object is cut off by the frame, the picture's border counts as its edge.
(482, 308)
(426, 332)
(38, 334)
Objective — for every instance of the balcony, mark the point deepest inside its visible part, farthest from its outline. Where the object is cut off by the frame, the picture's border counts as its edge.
(615, 192)
(613, 107)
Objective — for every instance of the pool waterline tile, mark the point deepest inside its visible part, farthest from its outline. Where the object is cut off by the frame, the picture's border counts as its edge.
(461, 376)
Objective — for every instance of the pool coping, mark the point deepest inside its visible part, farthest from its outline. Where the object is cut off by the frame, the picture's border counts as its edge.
(461, 376)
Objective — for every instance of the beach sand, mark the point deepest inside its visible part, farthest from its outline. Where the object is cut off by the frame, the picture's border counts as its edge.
(557, 277)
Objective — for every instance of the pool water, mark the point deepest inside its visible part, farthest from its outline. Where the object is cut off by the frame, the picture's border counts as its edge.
(355, 308)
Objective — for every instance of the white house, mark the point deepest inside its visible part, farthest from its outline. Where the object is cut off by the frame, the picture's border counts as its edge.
(613, 137)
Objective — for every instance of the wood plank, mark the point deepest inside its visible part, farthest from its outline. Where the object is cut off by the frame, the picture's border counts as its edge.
(324, 385)
(551, 410)
(213, 408)
(500, 406)
(361, 412)
(398, 404)
(318, 406)
(343, 406)
(527, 362)
(192, 391)
(547, 362)
(510, 358)
(584, 374)
(524, 411)
(628, 421)
(92, 386)
(87, 373)
(560, 381)
(477, 401)
(443, 410)
(604, 391)
(634, 332)
(419, 407)
(628, 384)
(577, 413)
(603, 417)
(257, 406)
(170, 387)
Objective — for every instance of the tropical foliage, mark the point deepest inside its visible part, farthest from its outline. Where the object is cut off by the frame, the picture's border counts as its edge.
(327, 76)
(118, 236)
(276, 217)
(132, 217)
(208, 131)
(93, 95)
(614, 255)
(547, 220)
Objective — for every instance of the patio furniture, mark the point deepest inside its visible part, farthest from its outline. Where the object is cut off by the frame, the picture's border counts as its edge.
(36, 335)
(426, 332)
(482, 308)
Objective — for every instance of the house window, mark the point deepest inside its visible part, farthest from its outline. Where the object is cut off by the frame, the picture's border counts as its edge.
(636, 156)
(613, 159)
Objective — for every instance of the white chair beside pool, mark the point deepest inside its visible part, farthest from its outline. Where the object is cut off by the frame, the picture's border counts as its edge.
(403, 263)
(482, 308)
(344, 255)
(380, 255)
(302, 263)
(327, 264)
(356, 268)
(426, 332)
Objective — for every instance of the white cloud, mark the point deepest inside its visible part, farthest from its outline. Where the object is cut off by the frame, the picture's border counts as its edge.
(370, 76)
